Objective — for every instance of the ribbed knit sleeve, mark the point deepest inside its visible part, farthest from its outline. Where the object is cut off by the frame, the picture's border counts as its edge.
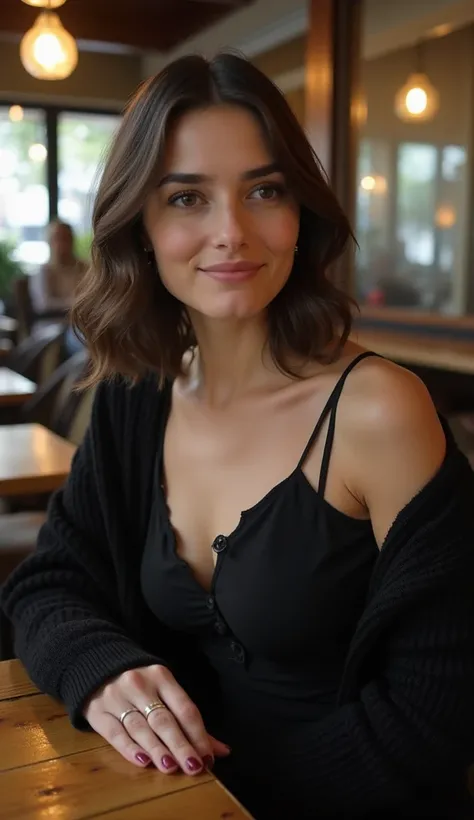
(408, 732)
(63, 599)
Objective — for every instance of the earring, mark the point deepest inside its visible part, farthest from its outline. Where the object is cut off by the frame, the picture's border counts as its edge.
(296, 248)
(149, 255)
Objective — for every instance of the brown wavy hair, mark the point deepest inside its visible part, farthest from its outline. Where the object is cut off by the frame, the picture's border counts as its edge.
(131, 323)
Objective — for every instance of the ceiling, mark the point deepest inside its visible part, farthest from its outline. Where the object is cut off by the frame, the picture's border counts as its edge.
(142, 25)
(265, 24)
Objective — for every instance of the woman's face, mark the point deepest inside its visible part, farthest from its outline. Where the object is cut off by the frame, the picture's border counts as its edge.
(221, 221)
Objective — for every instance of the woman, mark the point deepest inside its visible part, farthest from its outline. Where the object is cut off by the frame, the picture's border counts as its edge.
(166, 619)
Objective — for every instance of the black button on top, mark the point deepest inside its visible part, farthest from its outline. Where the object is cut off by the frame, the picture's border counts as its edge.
(238, 652)
(220, 627)
(220, 543)
(211, 603)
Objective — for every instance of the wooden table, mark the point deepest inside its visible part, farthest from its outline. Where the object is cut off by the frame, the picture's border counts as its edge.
(14, 389)
(422, 351)
(32, 460)
(49, 770)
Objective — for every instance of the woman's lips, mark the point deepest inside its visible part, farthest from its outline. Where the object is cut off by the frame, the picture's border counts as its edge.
(232, 271)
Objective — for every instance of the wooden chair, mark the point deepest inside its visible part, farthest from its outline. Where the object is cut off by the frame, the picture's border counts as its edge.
(37, 357)
(68, 412)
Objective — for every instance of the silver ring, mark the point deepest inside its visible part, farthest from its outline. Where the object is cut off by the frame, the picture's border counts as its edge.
(127, 712)
(157, 704)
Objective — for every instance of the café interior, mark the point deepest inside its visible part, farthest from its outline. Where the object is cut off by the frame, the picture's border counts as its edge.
(385, 93)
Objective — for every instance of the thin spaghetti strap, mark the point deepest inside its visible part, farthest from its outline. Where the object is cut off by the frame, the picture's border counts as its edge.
(323, 475)
(330, 405)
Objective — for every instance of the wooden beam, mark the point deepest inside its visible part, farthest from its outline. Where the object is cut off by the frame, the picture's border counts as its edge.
(143, 25)
(331, 97)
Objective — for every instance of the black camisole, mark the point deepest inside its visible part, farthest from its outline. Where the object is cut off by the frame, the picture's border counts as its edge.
(289, 586)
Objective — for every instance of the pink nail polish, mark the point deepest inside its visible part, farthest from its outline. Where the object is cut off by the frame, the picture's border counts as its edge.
(168, 762)
(193, 765)
(143, 758)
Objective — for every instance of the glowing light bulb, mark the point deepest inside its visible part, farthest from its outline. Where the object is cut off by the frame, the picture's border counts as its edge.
(48, 51)
(45, 4)
(418, 99)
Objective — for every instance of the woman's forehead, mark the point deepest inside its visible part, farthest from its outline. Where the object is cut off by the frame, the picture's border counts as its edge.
(222, 137)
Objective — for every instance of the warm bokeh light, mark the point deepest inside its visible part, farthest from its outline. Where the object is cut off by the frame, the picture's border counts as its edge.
(16, 113)
(374, 184)
(48, 51)
(367, 183)
(445, 216)
(417, 99)
(37, 152)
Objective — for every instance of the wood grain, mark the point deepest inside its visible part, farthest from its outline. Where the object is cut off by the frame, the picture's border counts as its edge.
(208, 801)
(32, 459)
(14, 681)
(84, 785)
(35, 729)
(50, 770)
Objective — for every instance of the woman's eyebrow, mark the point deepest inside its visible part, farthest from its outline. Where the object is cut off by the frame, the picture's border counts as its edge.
(196, 179)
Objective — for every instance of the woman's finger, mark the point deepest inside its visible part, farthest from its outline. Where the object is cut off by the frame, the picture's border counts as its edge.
(110, 728)
(139, 730)
(143, 691)
(186, 714)
(165, 726)
(219, 749)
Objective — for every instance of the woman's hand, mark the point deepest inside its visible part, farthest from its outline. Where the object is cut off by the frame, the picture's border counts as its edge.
(173, 737)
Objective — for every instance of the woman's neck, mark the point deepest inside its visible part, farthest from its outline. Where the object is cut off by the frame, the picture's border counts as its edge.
(232, 360)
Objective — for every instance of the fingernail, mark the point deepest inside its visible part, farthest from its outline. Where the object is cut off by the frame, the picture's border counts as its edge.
(208, 761)
(193, 765)
(143, 758)
(168, 762)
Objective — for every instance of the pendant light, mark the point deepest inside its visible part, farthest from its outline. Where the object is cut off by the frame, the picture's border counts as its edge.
(47, 50)
(43, 4)
(417, 100)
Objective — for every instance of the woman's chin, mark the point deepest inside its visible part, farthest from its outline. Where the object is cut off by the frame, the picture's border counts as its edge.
(232, 309)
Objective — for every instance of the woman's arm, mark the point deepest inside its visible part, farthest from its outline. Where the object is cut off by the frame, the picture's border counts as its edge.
(63, 599)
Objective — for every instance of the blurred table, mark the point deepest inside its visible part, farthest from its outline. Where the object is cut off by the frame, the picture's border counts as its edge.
(50, 770)
(8, 327)
(445, 354)
(32, 460)
(14, 389)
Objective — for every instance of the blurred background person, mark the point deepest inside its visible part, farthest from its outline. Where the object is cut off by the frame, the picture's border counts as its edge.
(54, 286)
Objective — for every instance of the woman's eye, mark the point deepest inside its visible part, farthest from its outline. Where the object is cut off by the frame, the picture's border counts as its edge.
(267, 192)
(187, 199)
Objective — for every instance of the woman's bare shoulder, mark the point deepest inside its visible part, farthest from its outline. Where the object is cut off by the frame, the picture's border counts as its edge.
(392, 438)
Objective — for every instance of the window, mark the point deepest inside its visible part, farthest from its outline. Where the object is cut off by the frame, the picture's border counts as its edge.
(414, 175)
(24, 203)
(409, 225)
(82, 140)
(28, 161)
